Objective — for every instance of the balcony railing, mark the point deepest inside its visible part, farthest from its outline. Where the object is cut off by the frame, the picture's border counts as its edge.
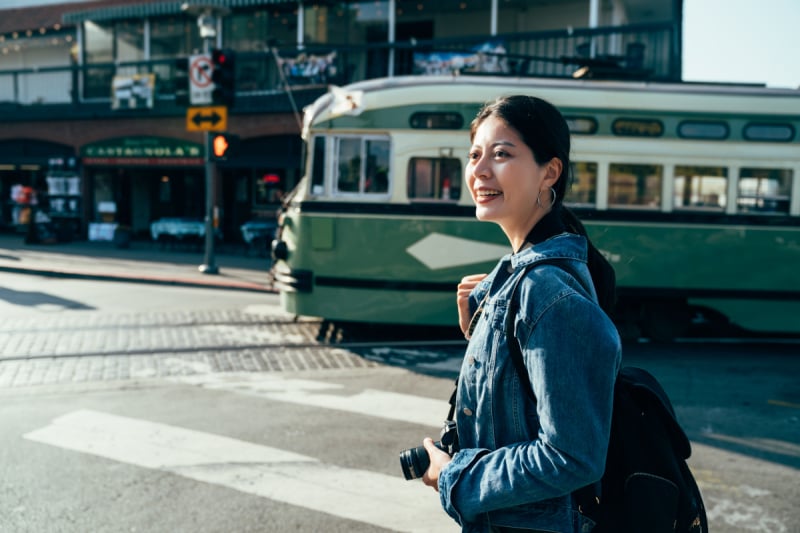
(646, 52)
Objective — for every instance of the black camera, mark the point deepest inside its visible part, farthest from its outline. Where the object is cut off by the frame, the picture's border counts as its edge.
(415, 461)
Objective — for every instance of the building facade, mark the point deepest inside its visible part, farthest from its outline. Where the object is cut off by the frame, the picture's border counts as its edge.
(92, 130)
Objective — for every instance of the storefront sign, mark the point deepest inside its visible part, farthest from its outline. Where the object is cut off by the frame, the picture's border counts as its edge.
(143, 151)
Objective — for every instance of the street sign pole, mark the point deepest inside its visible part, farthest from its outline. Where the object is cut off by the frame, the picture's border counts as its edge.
(207, 23)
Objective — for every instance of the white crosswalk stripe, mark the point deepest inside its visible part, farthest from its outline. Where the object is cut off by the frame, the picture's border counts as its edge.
(370, 497)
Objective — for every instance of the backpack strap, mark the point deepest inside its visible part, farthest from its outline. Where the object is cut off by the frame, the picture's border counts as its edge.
(513, 307)
(587, 498)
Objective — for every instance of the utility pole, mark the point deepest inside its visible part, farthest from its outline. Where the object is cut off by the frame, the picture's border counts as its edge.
(207, 16)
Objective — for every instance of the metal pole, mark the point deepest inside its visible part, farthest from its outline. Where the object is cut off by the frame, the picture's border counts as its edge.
(208, 266)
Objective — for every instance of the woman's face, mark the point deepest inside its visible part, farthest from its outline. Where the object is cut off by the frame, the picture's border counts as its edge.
(504, 179)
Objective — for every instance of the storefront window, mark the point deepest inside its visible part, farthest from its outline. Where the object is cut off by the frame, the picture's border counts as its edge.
(446, 19)
(173, 36)
(268, 187)
(251, 31)
(347, 23)
(634, 185)
(98, 42)
(130, 40)
(254, 31)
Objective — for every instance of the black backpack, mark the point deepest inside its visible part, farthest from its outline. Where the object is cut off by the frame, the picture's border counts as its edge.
(647, 486)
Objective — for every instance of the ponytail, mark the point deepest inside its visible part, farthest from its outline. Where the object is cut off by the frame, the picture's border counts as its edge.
(603, 276)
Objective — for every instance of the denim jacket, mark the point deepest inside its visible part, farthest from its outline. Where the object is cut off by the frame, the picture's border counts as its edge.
(519, 459)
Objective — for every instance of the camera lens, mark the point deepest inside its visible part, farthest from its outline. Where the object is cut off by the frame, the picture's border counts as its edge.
(415, 461)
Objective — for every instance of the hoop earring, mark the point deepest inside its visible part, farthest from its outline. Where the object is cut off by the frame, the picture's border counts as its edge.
(552, 201)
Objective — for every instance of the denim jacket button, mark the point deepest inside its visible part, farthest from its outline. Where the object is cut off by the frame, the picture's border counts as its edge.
(467, 411)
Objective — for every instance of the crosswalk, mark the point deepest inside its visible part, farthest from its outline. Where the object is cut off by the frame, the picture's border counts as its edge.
(385, 501)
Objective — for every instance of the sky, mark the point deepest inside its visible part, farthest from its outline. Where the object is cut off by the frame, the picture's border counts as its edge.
(752, 41)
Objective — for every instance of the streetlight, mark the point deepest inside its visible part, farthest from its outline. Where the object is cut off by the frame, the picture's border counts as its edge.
(207, 16)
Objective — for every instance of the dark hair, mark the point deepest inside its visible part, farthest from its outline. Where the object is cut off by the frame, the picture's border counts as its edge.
(544, 130)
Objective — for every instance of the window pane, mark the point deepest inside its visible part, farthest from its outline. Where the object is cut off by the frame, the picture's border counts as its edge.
(702, 187)
(318, 167)
(583, 189)
(769, 132)
(130, 40)
(173, 36)
(434, 179)
(634, 185)
(765, 190)
(349, 163)
(377, 179)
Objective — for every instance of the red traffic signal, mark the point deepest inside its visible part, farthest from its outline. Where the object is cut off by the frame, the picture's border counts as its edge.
(223, 61)
(221, 145)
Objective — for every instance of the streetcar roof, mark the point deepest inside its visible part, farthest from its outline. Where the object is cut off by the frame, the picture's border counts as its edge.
(633, 95)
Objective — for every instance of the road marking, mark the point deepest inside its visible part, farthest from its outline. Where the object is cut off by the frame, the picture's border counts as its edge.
(280, 475)
(784, 404)
(437, 251)
(382, 404)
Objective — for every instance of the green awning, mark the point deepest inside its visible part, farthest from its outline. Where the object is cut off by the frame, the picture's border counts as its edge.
(157, 9)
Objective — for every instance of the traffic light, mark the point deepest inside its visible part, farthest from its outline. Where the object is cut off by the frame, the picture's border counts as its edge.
(224, 76)
(221, 145)
(181, 80)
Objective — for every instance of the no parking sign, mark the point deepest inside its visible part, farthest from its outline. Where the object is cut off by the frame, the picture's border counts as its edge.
(201, 84)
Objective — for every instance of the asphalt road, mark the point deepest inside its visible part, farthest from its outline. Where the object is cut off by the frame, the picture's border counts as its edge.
(128, 407)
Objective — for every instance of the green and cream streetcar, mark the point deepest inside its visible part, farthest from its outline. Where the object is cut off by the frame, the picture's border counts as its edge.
(692, 191)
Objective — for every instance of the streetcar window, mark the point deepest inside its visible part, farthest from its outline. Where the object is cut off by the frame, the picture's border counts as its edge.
(703, 129)
(764, 190)
(769, 132)
(701, 187)
(583, 125)
(635, 127)
(431, 178)
(318, 166)
(436, 121)
(583, 189)
(634, 185)
(362, 165)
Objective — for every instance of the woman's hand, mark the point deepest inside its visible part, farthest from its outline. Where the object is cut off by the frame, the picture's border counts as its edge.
(462, 299)
(439, 460)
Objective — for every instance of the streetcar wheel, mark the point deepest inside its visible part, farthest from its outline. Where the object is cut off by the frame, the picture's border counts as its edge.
(665, 320)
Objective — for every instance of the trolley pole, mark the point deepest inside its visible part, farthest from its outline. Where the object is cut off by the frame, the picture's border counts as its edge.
(207, 21)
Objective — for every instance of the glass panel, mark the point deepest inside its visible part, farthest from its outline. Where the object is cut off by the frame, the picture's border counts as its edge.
(585, 125)
(434, 179)
(268, 186)
(377, 180)
(99, 42)
(130, 40)
(634, 185)
(769, 132)
(583, 189)
(347, 23)
(701, 187)
(172, 36)
(318, 167)
(348, 157)
(696, 129)
(764, 190)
